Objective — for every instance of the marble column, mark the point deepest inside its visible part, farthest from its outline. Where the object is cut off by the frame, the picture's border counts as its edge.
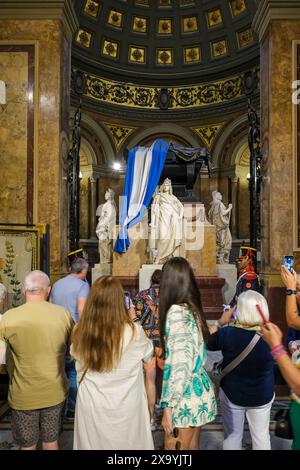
(234, 200)
(93, 206)
(49, 27)
(278, 25)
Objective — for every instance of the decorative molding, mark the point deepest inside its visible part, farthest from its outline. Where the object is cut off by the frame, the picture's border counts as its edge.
(269, 10)
(41, 10)
(208, 134)
(119, 133)
(146, 97)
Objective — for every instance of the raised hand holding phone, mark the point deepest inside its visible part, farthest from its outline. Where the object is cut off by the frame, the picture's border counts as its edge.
(289, 278)
(288, 262)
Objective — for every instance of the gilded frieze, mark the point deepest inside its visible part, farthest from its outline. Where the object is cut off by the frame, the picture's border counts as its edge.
(214, 17)
(139, 24)
(115, 19)
(84, 38)
(237, 7)
(208, 134)
(91, 8)
(245, 37)
(146, 97)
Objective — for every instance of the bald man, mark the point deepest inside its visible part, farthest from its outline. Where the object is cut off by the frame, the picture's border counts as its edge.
(35, 339)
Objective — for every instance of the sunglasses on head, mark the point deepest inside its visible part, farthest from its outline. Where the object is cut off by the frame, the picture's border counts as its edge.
(262, 314)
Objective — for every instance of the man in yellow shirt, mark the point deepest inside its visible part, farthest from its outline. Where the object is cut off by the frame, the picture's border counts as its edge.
(35, 339)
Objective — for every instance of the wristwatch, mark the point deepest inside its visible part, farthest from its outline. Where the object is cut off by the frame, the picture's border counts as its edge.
(291, 292)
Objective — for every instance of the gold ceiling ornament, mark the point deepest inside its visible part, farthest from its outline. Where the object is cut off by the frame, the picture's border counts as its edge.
(115, 19)
(237, 7)
(137, 54)
(245, 37)
(208, 134)
(219, 48)
(139, 24)
(91, 8)
(146, 97)
(84, 38)
(164, 26)
(110, 49)
(189, 24)
(164, 56)
(119, 133)
(192, 54)
(214, 17)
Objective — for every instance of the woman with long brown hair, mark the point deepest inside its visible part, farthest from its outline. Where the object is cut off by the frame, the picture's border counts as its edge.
(111, 408)
(187, 397)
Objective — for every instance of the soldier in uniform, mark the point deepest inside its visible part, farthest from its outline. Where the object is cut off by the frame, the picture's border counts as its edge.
(248, 279)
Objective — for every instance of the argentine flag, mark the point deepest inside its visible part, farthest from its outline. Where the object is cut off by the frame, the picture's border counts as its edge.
(144, 167)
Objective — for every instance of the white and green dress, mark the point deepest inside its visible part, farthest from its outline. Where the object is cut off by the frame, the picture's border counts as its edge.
(187, 388)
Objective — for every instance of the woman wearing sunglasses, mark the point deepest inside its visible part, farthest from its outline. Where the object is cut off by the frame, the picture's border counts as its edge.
(248, 389)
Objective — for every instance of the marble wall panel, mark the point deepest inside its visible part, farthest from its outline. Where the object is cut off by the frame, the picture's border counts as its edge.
(51, 135)
(13, 137)
(277, 140)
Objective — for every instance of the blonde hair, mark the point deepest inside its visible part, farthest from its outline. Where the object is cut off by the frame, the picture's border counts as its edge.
(247, 312)
(98, 336)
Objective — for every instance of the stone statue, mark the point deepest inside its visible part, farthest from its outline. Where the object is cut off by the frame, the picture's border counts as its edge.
(105, 227)
(219, 216)
(166, 224)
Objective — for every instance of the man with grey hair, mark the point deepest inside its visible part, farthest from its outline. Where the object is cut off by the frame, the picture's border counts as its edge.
(71, 292)
(36, 338)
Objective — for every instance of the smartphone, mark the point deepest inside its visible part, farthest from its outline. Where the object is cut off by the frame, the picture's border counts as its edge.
(127, 300)
(288, 262)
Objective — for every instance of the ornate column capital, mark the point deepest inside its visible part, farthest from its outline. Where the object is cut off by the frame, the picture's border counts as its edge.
(269, 10)
(41, 10)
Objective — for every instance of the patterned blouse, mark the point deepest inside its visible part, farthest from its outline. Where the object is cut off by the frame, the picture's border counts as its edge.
(187, 387)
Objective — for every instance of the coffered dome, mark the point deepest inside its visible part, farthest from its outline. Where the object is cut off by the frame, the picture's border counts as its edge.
(165, 41)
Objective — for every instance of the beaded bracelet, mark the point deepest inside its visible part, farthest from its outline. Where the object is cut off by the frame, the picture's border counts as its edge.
(278, 346)
(277, 351)
(281, 353)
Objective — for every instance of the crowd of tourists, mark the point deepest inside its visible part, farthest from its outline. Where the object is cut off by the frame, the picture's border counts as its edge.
(86, 354)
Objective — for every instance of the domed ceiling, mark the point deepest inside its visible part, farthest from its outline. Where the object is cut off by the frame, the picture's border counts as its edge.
(165, 41)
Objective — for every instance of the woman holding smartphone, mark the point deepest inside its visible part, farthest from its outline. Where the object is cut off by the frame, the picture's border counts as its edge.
(188, 397)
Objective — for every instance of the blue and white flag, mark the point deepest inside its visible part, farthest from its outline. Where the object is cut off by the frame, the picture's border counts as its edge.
(144, 167)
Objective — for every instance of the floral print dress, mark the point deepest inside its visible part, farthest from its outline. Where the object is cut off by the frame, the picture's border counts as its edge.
(187, 388)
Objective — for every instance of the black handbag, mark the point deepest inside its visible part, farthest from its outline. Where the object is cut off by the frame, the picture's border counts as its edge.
(283, 426)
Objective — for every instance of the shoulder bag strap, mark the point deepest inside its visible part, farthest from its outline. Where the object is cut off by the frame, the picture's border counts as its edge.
(233, 364)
